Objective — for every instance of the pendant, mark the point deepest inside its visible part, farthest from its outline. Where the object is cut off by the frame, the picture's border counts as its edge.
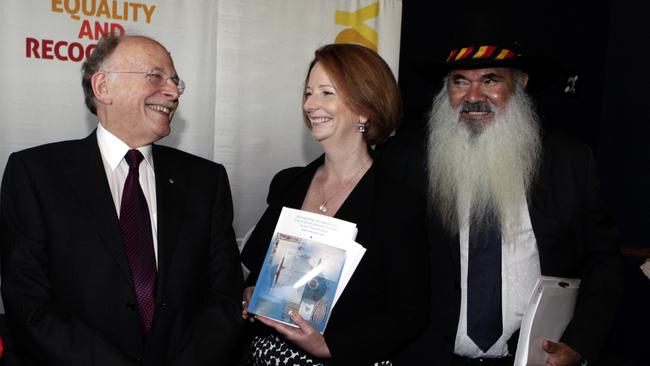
(322, 208)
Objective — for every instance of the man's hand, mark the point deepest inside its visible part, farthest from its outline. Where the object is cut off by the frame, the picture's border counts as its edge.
(560, 354)
(305, 337)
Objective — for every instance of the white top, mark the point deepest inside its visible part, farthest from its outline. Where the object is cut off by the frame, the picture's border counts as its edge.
(113, 151)
(519, 270)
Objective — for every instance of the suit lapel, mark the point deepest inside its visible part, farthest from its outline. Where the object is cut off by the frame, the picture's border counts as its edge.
(544, 225)
(85, 173)
(454, 251)
(441, 242)
(296, 191)
(169, 202)
(358, 204)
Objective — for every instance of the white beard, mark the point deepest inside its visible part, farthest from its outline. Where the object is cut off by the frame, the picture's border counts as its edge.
(477, 172)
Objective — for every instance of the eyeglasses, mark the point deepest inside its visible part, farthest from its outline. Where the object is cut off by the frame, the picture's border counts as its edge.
(155, 77)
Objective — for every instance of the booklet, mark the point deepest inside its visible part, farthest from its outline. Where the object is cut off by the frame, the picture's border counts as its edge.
(309, 262)
(549, 311)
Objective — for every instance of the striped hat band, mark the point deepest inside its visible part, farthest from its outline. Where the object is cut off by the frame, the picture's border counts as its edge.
(481, 53)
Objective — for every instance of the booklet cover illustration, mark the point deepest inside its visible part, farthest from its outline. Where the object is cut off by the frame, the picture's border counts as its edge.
(298, 274)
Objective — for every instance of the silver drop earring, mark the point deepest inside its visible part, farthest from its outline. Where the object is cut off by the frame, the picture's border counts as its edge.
(361, 127)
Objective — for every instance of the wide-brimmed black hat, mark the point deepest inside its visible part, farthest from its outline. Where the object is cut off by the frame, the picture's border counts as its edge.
(480, 37)
(487, 37)
(490, 35)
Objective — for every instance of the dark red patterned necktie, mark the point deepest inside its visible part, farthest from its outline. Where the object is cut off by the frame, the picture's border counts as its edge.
(138, 240)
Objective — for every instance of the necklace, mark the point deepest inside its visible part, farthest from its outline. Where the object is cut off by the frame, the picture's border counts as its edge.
(323, 206)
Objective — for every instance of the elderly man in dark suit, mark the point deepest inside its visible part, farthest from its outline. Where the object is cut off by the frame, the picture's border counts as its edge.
(116, 251)
(509, 203)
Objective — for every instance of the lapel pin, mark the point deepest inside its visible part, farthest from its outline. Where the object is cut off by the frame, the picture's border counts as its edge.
(171, 180)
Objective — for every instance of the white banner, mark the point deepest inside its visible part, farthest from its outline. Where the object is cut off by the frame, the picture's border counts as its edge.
(244, 62)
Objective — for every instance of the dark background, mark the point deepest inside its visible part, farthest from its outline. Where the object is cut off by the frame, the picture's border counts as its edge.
(603, 43)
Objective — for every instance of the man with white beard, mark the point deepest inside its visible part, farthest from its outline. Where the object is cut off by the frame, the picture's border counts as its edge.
(507, 202)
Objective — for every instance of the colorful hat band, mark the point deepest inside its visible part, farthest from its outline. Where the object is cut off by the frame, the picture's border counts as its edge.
(481, 53)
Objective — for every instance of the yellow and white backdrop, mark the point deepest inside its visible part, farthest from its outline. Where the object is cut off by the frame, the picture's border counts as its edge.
(244, 62)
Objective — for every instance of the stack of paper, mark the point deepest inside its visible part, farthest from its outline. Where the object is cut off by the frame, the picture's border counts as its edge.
(310, 260)
(549, 311)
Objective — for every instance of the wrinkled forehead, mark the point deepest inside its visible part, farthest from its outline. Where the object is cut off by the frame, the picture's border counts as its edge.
(142, 53)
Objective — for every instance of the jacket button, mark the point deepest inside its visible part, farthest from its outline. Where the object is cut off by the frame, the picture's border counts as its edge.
(130, 306)
(163, 305)
(139, 361)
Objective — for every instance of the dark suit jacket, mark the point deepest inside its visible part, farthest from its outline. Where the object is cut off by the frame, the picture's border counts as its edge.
(66, 283)
(382, 308)
(575, 238)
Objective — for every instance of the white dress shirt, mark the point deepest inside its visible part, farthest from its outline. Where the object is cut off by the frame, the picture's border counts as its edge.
(113, 151)
(520, 269)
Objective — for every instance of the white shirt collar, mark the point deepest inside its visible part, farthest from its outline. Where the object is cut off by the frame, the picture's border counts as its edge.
(113, 149)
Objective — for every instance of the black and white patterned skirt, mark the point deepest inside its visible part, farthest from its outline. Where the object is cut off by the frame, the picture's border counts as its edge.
(270, 350)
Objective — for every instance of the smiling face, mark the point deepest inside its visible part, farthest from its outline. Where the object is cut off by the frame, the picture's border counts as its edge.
(478, 94)
(329, 116)
(130, 106)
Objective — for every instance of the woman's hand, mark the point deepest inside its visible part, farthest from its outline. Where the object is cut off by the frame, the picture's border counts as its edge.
(305, 337)
(248, 292)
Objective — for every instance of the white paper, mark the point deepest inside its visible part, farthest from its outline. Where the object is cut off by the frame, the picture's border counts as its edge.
(314, 226)
(549, 311)
(645, 268)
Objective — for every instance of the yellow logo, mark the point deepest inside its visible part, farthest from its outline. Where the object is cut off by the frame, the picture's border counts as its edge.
(360, 33)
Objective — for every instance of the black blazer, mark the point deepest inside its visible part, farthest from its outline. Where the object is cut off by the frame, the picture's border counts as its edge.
(575, 238)
(383, 307)
(66, 283)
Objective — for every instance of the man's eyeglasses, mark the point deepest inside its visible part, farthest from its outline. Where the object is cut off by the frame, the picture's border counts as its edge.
(156, 77)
